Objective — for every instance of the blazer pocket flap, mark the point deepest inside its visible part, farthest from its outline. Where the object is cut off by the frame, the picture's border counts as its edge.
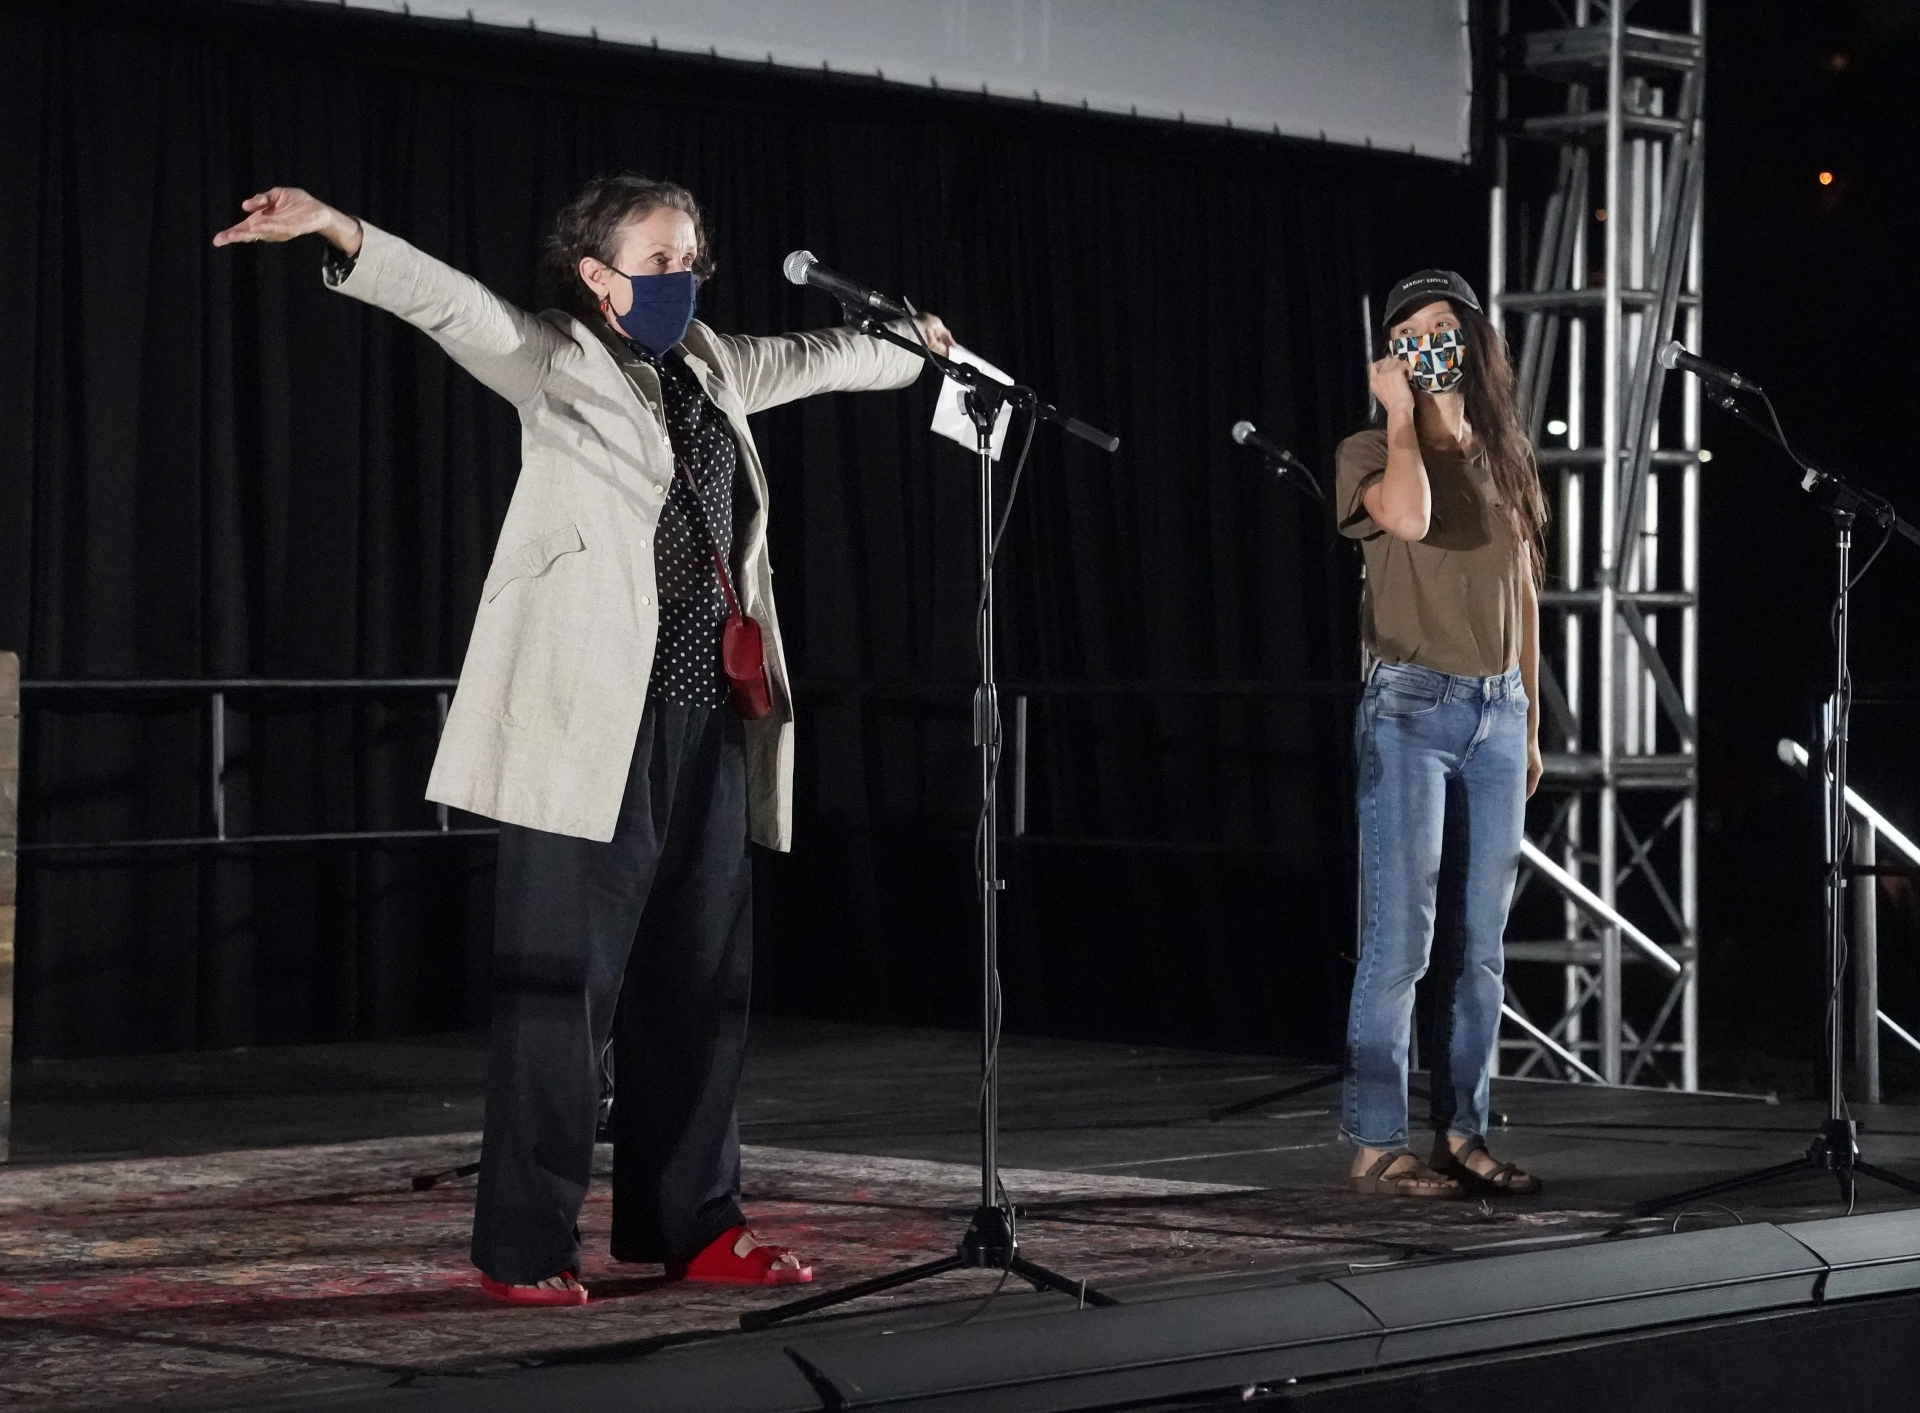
(531, 561)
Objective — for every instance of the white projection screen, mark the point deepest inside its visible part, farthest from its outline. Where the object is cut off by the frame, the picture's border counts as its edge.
(1395, 74)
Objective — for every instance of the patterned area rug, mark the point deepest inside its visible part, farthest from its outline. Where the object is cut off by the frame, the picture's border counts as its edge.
(193, 1282)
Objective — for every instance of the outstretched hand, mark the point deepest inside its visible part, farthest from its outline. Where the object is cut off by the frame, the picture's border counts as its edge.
(286, 212)
(938, 336)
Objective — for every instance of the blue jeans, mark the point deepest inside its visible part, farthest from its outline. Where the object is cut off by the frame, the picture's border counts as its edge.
(1442, 761)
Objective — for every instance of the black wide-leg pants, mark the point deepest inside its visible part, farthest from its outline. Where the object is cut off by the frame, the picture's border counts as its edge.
(651, 936)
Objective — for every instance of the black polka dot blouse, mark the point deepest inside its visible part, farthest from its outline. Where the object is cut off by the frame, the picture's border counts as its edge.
(693, 610)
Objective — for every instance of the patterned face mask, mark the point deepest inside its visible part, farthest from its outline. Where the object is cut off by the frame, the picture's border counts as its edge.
(1436, 359)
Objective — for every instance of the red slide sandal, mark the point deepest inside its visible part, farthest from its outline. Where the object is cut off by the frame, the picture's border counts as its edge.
(723, 1262)
(572, 1293)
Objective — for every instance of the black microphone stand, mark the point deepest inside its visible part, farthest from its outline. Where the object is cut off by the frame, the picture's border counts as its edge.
(991, 1241)
(1309, 485)
(1835, 1147)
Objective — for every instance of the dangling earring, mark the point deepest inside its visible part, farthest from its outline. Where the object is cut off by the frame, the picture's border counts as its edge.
(606, 304)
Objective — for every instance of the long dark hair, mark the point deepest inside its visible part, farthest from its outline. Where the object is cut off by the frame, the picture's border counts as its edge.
(590, 224)
(1494, 414)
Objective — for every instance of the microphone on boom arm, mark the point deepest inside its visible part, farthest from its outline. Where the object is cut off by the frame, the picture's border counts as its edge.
(1283, 460)
(801, 268)
(1675, 355)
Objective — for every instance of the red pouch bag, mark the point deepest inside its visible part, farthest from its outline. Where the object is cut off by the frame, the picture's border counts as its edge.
(743, 654)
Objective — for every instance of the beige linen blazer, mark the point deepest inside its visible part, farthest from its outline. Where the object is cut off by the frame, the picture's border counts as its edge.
(541, 730)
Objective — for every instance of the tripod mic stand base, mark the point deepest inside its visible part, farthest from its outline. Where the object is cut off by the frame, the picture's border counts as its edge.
(1834, 1149)
(988, 1245)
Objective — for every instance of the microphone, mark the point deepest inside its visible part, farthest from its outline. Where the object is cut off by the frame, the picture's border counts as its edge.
(1284, 460)
(1245, 435)
(801, 268)
(1675, 355)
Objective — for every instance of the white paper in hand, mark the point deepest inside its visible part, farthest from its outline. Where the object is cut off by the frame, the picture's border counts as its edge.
(950, 411)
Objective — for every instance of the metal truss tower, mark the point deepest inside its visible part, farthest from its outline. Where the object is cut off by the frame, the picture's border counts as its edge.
(1595, 264)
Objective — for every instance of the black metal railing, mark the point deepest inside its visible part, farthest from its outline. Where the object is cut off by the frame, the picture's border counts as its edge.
(221, 695)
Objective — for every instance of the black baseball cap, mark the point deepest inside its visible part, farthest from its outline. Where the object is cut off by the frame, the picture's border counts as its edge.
(1423, 287)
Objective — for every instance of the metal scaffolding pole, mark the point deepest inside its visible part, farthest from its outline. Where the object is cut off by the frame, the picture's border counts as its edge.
(1615, 828)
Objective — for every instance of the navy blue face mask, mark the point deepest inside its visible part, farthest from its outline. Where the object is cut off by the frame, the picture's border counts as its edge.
(661, 310)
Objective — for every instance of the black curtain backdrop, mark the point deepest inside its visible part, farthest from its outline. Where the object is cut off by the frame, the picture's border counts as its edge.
(213, 467)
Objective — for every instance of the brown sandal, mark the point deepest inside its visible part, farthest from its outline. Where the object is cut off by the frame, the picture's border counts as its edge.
(1415, 1179)
(1505, 1180)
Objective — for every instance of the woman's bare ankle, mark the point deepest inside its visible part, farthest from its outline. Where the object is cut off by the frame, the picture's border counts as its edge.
(1365, 1158)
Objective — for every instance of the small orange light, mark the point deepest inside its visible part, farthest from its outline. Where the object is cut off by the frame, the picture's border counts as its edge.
(1826, 179)
(1601, 214)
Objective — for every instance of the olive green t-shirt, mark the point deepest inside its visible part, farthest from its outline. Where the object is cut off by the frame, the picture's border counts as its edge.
(1451, 602)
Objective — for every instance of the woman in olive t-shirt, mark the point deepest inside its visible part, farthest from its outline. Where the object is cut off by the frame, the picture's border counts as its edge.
(1446, 503)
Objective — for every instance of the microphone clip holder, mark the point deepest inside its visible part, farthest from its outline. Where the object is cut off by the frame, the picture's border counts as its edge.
(1294, 472)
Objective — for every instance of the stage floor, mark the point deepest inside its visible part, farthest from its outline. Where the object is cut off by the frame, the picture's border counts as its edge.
(210, 1230)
